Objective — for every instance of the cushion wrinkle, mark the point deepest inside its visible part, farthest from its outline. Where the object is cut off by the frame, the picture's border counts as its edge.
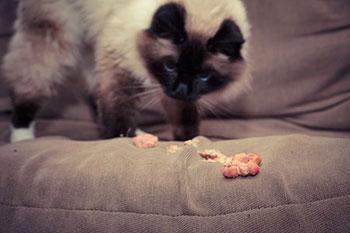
(184, 215)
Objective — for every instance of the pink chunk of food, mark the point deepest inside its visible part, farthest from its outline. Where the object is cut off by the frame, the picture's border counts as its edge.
(256, 158)
(230, 171)
(242, 164)
(145, 141)
(213, 156)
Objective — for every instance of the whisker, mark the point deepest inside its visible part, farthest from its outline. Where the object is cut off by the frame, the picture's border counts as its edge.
(133, 86)
(200, 109)
(139, 95)
(154, 99)
(150, 103)
(144, 93)
(224, 112)
(205, 107)
(211, 108)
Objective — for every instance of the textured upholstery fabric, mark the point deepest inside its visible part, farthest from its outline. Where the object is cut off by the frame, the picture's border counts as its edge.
(301, 78)
(57, 185)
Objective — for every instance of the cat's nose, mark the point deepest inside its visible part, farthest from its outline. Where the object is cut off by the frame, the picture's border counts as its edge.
(182, 92)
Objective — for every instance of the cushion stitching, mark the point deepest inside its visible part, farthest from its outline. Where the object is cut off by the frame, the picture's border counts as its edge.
(166, 215)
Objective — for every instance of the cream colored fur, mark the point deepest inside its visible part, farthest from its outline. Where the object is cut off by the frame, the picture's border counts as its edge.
(38, 59)
(36, 63)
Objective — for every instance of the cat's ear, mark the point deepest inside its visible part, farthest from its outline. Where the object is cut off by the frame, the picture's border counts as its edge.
(228, 40)
(169, 23)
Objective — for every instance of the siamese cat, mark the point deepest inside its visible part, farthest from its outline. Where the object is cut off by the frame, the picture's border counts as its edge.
(186, 53)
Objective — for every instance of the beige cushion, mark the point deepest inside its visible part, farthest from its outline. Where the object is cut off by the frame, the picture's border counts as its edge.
(58, 185)
(300, 52)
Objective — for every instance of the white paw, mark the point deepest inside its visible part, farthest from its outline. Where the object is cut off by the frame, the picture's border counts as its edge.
(139, 132)
(20, 134)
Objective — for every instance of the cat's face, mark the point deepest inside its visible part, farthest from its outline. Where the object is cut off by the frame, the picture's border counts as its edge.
(189, 64)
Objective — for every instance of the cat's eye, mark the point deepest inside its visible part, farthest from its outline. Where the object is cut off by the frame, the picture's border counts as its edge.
(170, 66)
(205, 77)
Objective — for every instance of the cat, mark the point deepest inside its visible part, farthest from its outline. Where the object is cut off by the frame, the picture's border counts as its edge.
(186, 53)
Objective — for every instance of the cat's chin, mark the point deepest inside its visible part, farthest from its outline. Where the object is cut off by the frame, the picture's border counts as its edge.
(190, 99)
(187, 100)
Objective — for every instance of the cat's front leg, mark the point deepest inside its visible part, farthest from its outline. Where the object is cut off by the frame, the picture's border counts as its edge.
(118, 107)
(183, 117)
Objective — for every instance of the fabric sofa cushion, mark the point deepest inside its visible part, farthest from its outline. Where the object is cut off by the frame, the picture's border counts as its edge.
(301, 76)
(59, 185)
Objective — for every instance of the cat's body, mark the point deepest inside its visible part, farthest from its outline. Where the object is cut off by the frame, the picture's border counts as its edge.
(183, 50)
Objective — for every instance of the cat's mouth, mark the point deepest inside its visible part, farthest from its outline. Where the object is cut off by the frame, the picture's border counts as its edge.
(182, 96)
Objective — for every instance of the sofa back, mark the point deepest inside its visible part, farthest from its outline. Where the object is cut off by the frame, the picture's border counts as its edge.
(301, 63)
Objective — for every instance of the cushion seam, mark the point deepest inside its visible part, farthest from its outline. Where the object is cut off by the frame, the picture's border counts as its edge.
(168, 215)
